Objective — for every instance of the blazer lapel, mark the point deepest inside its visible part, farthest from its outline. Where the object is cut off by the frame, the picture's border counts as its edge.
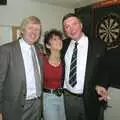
(89, 65)
(19, 58)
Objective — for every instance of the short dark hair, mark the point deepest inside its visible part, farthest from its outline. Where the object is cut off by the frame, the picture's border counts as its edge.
(69, 15)
(48, 35)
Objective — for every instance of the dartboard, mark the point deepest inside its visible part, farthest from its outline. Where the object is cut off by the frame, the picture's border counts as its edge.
(108, 30)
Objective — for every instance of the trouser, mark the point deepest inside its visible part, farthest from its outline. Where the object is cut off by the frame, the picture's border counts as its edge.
(32, 109)
(53, 107)
(74, 107)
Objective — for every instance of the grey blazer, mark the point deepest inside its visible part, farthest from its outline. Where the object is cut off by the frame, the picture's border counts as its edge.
(13, 80)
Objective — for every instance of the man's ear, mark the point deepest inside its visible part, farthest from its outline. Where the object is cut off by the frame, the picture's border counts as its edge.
(48, 46)
(81, 26)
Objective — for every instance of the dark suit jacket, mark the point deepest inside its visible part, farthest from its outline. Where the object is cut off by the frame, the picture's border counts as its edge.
(12, 81)
(96, 49)
(110, 68)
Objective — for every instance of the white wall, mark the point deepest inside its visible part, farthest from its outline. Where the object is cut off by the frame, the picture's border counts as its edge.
(16, 10)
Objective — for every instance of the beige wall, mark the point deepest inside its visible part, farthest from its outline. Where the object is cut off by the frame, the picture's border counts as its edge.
(16, 10)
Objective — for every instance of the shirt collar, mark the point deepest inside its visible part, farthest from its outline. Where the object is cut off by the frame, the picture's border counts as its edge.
(81, 41)
(25, 44)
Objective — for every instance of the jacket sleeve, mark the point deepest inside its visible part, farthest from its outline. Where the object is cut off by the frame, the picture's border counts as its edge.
(3, 72)
(103, 72)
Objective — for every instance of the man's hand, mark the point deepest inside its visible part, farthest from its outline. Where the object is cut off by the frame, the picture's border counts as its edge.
(102, 92)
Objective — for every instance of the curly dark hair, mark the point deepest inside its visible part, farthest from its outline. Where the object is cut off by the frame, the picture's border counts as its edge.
(48, 35)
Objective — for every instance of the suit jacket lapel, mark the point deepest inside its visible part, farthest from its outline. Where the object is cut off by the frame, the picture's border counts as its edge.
(89, 65)
(66, 43)
(20, 65)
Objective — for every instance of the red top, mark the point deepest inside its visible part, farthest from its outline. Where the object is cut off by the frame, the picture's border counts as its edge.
(52, 75)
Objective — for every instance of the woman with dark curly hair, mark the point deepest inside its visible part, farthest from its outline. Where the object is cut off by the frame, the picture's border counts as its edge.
(53, 104)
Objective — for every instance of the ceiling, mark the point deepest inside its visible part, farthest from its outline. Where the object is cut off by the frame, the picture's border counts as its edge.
(70, 3)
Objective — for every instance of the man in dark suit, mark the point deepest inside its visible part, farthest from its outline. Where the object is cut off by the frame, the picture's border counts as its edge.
(19, 97)
(81, 102)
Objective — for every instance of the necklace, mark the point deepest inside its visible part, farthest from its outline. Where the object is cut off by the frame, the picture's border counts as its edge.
(54, 63)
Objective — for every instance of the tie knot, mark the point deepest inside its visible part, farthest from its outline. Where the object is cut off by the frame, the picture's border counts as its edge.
(32, 49)
(76, 43)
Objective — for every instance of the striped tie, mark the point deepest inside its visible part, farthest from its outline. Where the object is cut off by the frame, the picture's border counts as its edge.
(73, 67)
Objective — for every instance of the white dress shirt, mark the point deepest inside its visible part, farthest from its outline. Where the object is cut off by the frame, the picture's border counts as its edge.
(81, 64)
(29, 70)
